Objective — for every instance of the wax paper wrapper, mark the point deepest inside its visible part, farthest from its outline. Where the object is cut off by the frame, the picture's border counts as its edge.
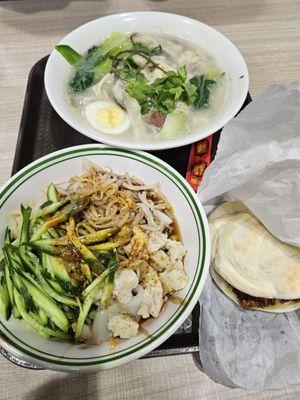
(257, 162)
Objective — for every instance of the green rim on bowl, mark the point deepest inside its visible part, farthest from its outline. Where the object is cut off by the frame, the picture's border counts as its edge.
(11, 341)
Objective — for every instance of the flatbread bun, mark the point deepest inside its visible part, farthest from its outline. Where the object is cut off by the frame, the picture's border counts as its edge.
(278, 306)
(248, 257)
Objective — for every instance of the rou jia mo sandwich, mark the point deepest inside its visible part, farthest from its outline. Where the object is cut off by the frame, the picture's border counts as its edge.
(252, 267)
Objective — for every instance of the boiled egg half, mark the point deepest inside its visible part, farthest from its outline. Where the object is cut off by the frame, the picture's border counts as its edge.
(107, 117)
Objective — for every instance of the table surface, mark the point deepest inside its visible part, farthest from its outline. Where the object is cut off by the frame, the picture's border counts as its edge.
(267, 33)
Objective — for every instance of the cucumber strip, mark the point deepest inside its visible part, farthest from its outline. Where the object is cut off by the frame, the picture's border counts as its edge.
(5, 303)
(71, 313)
(93, 237)
(88, 256)
(83, 314)
(51, 209)
(7, 236)
(42, 330)
(87, 227)
(52, 193)
(16, 312)
(53, 233)
(43, 317)
(44, 246)
(55, 285)
(98, 236)
(108, 289)
(46, 204)
(9, 283)
(8, 278)
(56, 268)
(58, 297)
(30, 261)
(54, 313)
(104, 246)
(24, 234)
(98, 281)
(48, 290)
(61, 216)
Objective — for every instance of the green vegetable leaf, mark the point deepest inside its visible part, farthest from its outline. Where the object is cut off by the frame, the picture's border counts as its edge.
(143, 48)
(163, 93)
(177, 91)
(190, 90)
(182, 73)
(169, 105)
(130, 74)
(203, 86)
(82, 80)
(97, 62)
(69, 54)
(140, 90)
(101, 69)
(148, 104)
(117, 41)
(90, 70)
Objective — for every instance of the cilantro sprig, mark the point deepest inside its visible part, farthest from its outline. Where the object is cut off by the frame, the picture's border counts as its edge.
(163, 93)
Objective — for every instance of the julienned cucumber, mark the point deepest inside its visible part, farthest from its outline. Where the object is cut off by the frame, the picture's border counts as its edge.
(36, 286)
(5, 303)
(42, 330)
(54, 313)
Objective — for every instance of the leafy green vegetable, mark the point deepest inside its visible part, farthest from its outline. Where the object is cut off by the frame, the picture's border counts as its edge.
(116, 42)
(82, 80)
(69, 54)
(102, 69)
(140, 90)
(164, 92)
(98, 61)
(182, 73)
(143, 49)
(203, 84)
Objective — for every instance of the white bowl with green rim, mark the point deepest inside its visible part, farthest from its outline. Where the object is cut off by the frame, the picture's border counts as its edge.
(28, 184)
